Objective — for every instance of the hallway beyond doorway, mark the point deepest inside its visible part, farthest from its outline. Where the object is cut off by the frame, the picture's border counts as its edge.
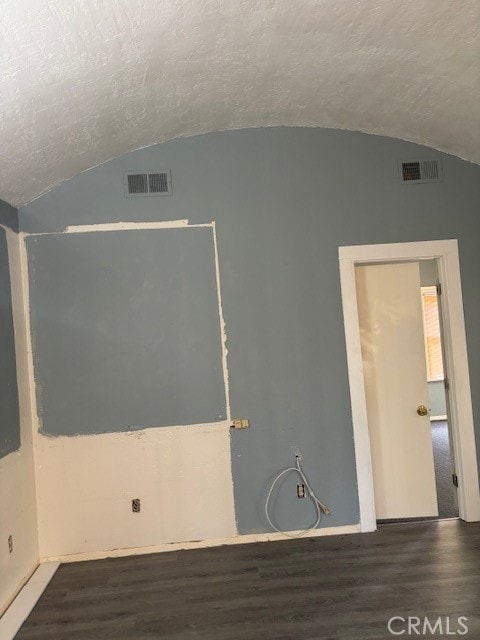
(447, 505)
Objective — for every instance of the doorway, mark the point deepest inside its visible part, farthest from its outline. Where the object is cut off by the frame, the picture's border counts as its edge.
(413, 469)
(460, 411)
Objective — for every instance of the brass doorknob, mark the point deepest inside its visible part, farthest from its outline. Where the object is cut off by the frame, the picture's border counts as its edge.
(422, 410)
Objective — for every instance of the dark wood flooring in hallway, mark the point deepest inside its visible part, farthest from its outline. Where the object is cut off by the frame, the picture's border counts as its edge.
(342, 587)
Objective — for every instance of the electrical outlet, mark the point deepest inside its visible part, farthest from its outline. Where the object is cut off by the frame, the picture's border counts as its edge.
(136, 505)
(300, 490)
(10, 544)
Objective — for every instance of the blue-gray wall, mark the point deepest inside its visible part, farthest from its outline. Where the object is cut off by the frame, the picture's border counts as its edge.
(8, 216)
(284, 200)
(9, 412)
(428, 273)
(437, 402)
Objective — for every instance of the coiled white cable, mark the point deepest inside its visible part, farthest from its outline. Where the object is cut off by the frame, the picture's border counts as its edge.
(319, 506)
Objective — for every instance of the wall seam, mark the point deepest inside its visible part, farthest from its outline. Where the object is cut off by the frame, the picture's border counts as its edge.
(32, 398)
(223, 333)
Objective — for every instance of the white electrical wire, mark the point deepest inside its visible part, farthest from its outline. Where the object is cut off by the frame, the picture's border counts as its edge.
(319, 506)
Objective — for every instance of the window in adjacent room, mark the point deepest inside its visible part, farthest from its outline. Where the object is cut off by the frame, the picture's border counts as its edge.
(431, 323)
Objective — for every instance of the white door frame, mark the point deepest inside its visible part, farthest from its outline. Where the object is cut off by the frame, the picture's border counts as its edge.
(455, 347)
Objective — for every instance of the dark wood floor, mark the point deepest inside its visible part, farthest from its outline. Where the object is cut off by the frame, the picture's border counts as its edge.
(342, 587)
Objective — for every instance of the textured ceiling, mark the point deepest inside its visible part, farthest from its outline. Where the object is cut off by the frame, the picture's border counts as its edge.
(83, 81)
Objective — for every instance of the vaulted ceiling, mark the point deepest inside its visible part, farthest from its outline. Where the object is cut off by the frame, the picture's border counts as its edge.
(83, 81)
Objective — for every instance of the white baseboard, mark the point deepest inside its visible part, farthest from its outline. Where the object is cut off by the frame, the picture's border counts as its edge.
(200, 544)
(27, 598)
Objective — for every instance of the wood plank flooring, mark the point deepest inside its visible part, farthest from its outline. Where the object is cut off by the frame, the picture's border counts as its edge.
(342, 587)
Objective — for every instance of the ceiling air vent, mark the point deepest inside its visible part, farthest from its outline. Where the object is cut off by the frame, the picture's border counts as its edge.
(155, 183)
(415, 171)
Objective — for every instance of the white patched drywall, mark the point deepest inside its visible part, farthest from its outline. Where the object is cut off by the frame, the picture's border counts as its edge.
(86, 484)
(18, 510)
(86, 81)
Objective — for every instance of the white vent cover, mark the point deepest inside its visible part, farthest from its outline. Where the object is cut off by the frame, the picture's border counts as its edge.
(416, 171)
(147, 183)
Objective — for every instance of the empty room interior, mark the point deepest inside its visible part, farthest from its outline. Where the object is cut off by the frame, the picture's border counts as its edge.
(239, 337)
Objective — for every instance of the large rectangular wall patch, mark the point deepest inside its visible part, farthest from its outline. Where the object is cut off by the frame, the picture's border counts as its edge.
(125, 330)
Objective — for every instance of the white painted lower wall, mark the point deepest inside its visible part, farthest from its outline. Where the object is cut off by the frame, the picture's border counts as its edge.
(18, 513)
(182, 476)
(18, 519)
